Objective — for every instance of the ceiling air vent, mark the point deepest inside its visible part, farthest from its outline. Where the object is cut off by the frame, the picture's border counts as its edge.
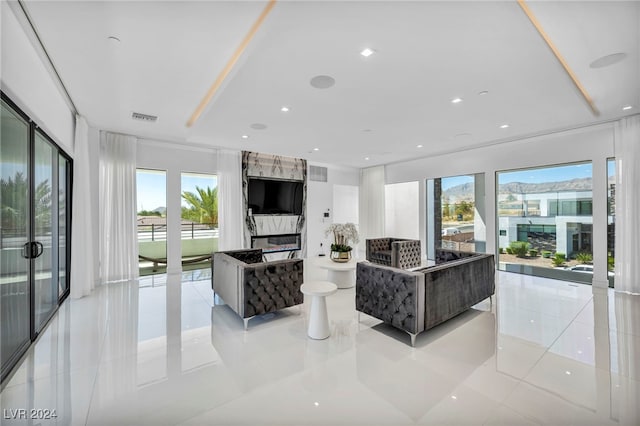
(318, 174)
(144, 117)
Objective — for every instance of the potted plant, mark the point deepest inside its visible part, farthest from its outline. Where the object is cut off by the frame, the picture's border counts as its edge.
(343, 234)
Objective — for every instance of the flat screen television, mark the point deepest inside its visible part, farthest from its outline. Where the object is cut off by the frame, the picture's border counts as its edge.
(270, 196)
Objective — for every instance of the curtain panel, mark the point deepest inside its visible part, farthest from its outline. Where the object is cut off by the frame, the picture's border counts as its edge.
(230, 204)
(118, 228)
(83, 276)
(371, 203)
(627, 199)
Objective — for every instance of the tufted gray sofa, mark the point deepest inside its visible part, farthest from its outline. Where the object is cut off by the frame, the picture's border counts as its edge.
(415, 301)
(396, 252)
(252, 287)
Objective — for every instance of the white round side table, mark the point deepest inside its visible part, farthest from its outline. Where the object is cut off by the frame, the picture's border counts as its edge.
(318, 318)
(342, 275)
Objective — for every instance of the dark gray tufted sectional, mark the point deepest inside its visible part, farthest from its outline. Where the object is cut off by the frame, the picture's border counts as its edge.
(415, 301)
(252, 287)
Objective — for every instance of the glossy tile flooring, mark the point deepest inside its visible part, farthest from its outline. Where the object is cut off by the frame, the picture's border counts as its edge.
(159, 352)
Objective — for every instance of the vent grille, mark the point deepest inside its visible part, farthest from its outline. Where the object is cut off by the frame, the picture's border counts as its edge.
(144, 117)
(318, 174)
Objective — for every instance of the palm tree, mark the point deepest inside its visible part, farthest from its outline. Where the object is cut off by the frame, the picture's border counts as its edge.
(203, 205)
(14, 193)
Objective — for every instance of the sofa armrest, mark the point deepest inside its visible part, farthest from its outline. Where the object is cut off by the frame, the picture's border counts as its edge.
(225, 280)
(391, 295)
(406, 254)
(270, 286)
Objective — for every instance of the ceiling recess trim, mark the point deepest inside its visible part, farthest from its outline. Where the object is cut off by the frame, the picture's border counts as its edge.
(556, 52)
(227, 69)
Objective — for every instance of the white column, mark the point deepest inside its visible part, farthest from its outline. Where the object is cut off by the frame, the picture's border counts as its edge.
(174, 237)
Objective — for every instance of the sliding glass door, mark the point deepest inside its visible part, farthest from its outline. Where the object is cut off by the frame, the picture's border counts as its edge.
(15, 221)
(44, 231)
(34, 232)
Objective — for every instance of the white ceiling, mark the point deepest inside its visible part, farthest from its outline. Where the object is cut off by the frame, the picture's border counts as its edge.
(381, 107)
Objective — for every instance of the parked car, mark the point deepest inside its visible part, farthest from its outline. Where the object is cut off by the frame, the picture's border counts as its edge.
(584, 269)
(450, 231)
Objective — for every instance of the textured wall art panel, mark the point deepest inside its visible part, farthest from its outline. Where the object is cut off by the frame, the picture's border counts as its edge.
(270, 166)
(274, 166)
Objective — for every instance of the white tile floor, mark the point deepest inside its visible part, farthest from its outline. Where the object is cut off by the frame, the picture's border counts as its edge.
(160, 352)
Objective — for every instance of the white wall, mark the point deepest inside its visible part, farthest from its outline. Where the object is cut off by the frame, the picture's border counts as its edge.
(592, 143)
(26, 80)
(175, 159)
(402, 210)
(319, 200)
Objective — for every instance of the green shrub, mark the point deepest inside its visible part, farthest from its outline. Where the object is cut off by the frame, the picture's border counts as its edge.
(520, 248)
(584, 258)
(501, 250)
(558, 259)
(533, 253)
(546, 254)
(611, 263)
(508, 250)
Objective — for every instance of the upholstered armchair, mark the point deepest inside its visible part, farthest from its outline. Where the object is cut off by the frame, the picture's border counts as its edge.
(394, 252)
(251, 287)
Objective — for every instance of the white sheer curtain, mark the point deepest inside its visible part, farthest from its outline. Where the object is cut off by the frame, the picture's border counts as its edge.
(627, 198)
(118, 229)
(83, 276)
(230, 206)
(371, 203)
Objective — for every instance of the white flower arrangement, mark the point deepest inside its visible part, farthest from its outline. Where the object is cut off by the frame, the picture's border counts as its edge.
(343, 234)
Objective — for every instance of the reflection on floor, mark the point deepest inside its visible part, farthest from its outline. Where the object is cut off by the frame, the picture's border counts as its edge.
(160, 352)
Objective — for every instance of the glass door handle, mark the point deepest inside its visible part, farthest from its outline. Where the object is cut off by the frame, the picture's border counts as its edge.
(39, 249)
(32, 250)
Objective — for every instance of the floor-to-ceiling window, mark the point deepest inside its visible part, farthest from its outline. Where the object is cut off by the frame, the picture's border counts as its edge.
(35, 181)
(152, 220)
(456, 214)
(545, 221)
(199, 226)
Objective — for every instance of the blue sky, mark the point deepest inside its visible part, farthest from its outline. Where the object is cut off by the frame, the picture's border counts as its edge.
(152, 187)
(547, 174)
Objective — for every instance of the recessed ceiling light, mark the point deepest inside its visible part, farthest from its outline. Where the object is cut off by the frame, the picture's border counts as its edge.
(627, 107)
(285, 109)
(366, 158)
(316, 149)
(456, 100)
(418, 146)
(504, 126)
(568, 373)
(367, 52)
(258, 126)
(245, 136)
(114, 39)
(322, 81)
(454, 397)
(607, 60)
(484, 92)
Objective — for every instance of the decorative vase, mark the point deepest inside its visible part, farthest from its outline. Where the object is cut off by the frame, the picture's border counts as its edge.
(341, 256)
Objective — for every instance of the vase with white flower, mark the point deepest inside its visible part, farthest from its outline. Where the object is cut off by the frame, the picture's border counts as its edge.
(343, 235)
